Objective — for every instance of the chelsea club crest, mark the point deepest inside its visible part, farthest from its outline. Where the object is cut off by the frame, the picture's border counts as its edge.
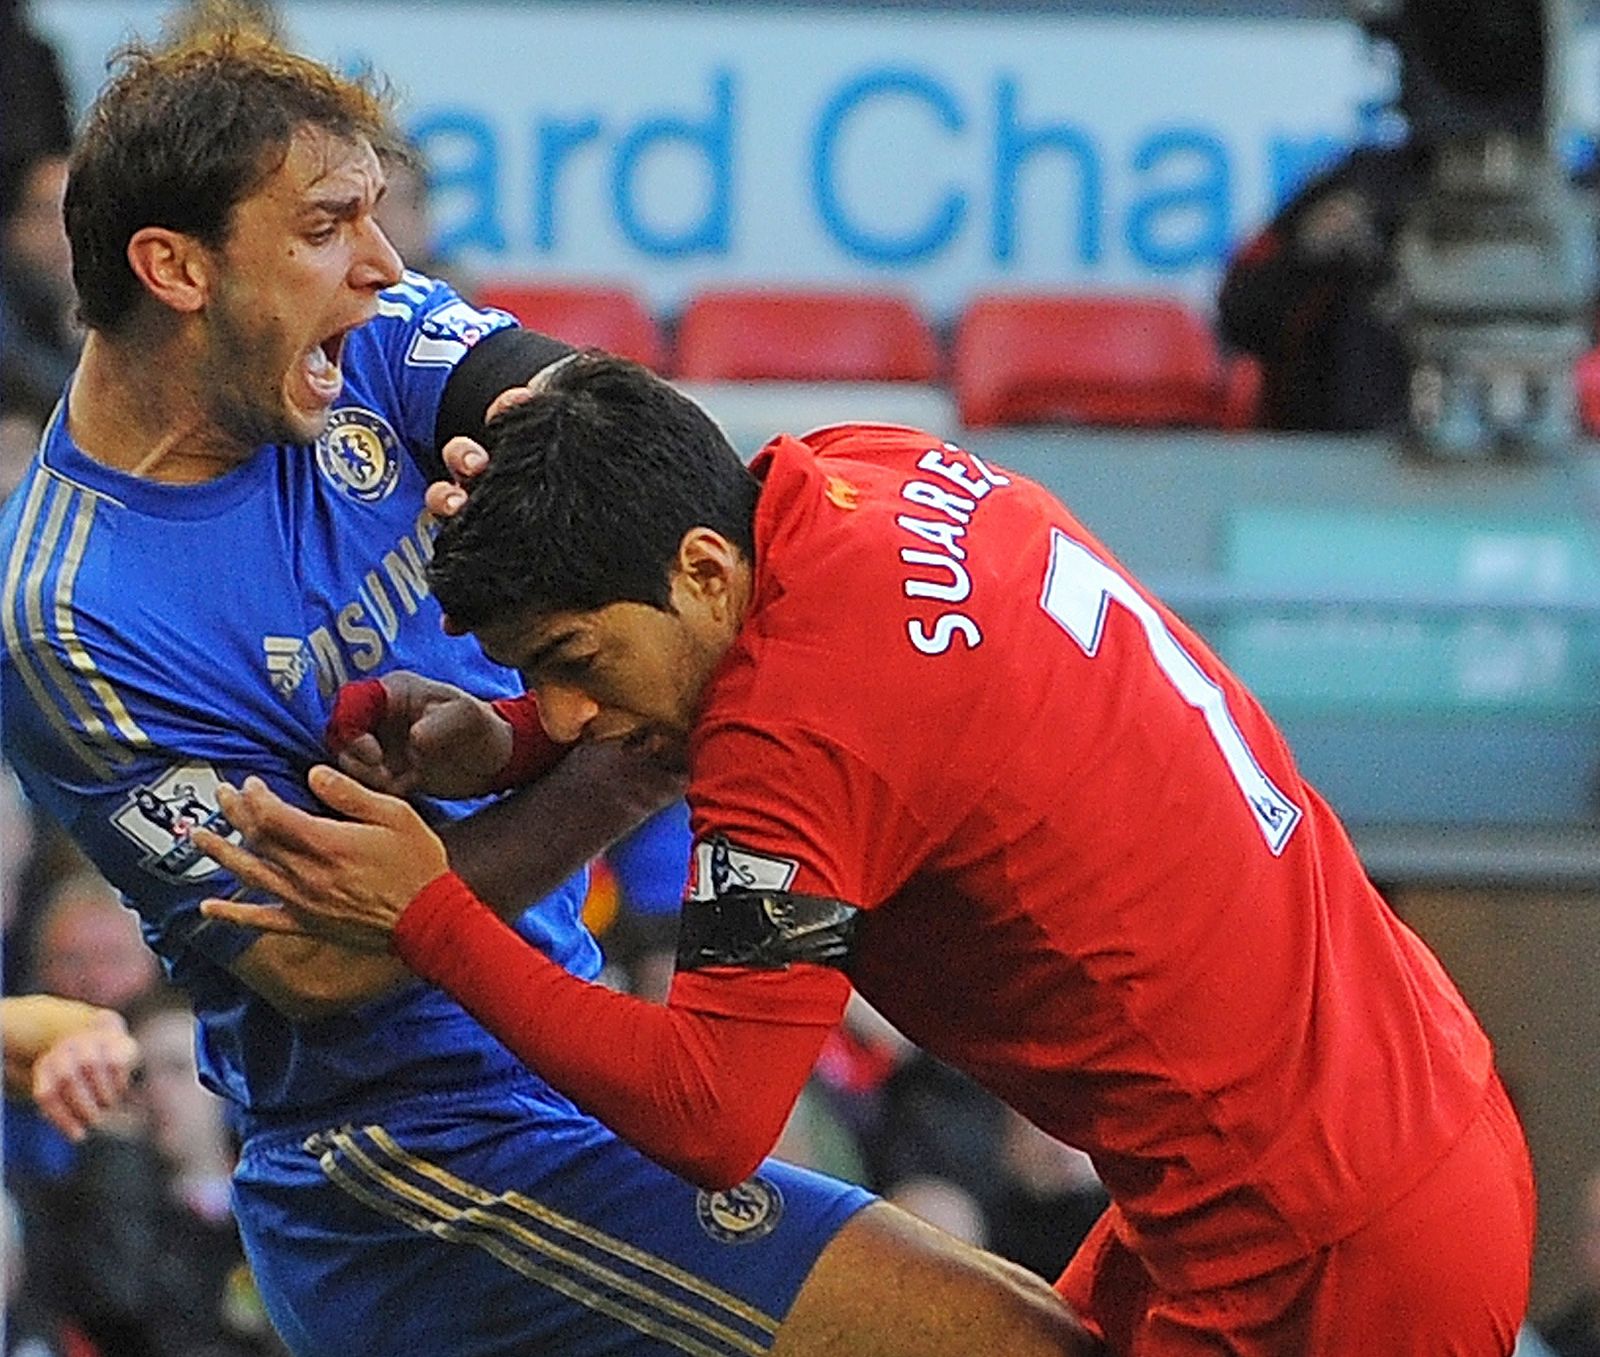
(740, 1215)
(359, 453)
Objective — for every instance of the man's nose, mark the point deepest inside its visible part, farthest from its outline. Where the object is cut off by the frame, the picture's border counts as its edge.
(377, 265)
(566, 711)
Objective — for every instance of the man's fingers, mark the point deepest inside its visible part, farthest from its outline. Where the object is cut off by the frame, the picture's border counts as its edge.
(106, 1083)
(245, 865)
(78, 1095)
(260, 918)
(465, 460)
(377, 775)
(59, 1114)
(341, 792)
(444, 500)
(363, 759)
(516, 395)
(465, 457)
(109, 1068)
(250, 804)
(66, 1087)
(264, 817)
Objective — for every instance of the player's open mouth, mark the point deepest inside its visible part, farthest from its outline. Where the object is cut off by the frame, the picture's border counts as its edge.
(653, 743)
(644, 740)
(320, 365)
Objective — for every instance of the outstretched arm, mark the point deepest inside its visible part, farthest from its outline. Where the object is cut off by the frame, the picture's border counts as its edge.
(703, 1085)
(73, 1059)
(511, 852)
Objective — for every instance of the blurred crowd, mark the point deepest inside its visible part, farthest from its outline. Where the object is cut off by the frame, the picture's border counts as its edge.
(38, 335)
(122, 1243)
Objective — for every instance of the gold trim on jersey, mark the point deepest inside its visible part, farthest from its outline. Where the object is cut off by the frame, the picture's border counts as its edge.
(66, 626)
(94, 743)
(500, 1223)
(689, 1281)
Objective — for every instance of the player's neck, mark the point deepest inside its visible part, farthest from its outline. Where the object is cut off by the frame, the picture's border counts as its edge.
(134, 412)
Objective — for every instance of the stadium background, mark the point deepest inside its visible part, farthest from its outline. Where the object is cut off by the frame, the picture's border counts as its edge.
(1425, 632)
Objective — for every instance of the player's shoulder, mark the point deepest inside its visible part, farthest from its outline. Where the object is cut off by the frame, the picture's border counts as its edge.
(860, 485)
(49, 549)
(429, 321)
(398, 365)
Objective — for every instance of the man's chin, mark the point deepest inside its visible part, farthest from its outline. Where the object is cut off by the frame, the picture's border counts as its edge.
(262, 427)
(305, 426)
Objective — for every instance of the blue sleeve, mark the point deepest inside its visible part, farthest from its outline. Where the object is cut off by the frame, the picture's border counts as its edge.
(652, 862)
(131, 810)
(423, 329)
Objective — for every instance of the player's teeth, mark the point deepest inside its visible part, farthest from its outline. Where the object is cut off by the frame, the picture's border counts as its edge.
(317, 360)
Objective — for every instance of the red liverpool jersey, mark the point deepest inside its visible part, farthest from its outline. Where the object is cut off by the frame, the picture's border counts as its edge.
(1092, 876)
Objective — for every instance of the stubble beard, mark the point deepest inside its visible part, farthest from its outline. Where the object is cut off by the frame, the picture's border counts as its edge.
(242, 379)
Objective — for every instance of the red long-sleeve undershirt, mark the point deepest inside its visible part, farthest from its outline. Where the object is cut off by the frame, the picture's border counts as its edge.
(360, 707)
(533, 752)
(702, 1085)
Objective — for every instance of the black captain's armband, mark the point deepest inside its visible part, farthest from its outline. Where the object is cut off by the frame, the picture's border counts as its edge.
(500, 361)
(765, 930)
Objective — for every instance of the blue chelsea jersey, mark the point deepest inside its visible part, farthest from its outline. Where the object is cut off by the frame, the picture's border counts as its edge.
(159, 639)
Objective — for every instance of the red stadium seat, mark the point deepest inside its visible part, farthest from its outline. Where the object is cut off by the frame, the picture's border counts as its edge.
(804, 336)
(1586, 375)
(610, 318)
(1242, 386)
(1125, 361)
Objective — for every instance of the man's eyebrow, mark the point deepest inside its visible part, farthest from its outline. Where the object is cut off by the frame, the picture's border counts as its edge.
(541, 654)
(343, 207)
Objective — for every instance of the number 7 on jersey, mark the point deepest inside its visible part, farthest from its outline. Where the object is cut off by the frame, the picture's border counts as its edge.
(1078, 589)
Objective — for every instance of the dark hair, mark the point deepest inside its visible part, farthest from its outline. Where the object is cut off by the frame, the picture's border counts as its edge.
(185, 131)
(590, 488)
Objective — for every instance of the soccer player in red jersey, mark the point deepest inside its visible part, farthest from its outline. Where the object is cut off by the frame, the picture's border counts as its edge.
(943, 748)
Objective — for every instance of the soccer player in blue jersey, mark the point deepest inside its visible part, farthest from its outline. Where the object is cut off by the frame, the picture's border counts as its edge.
(224, 523)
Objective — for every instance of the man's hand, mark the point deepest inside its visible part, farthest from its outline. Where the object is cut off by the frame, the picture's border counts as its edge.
(403, 734)
(465, 457)
(82, 1078)
(72, 1059)
(347, 881)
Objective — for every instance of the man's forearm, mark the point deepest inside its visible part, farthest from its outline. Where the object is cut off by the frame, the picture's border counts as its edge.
(523, 847)
(32, 1023)
(307, 979)
(702, 1085)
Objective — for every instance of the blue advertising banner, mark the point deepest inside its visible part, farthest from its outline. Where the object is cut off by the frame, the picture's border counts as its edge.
(941, 153)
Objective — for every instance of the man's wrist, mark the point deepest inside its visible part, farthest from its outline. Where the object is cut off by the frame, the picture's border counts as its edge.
(532, 751)
(422, 931)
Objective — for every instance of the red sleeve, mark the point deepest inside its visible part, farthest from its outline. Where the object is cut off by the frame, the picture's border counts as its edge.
(805, 809)
(359, 709)
(703, 1085)
(532, 751)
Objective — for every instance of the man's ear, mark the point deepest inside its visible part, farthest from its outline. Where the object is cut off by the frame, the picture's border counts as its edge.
(708, 566)
(174, 268)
